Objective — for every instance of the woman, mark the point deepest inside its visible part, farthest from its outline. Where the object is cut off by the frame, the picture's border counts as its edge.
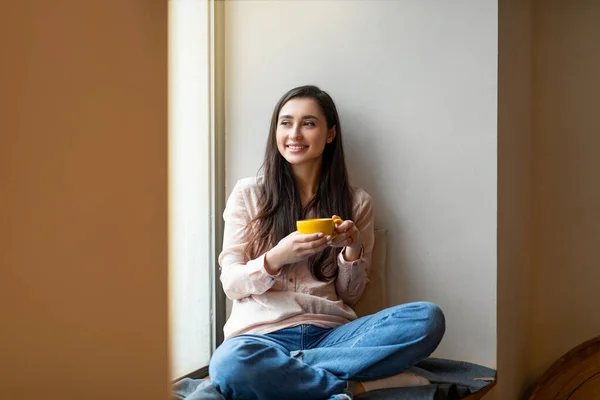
(292, 333)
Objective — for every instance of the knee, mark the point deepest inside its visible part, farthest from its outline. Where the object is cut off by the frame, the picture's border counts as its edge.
(230, 367)
(432, 321)
(223, 363)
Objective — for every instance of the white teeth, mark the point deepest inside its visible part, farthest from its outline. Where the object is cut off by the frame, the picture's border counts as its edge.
(296, 147)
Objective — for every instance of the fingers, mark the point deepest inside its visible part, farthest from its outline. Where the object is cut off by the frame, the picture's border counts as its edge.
(346, 234)
(342, 240)
(310, 240)
(338, 224)
(346, 238)
(308, 237)
(344, 226)
(318, 246)
(315, 244)
(305, 249)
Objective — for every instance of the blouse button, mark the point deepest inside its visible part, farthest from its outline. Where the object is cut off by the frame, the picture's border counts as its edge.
(291, 280)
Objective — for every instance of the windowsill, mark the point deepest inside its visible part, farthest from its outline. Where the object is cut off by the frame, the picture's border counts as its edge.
(198, 374)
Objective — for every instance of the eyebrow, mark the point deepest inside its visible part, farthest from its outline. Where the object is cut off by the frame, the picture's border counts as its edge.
(304, 117)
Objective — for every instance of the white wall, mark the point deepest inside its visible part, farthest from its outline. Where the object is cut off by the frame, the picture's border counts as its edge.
(415, 83)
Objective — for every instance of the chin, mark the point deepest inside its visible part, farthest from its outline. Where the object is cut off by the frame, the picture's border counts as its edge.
(300, 160)
(294, 160)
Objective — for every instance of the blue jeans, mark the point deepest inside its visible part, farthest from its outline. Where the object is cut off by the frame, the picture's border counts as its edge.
(307, 362)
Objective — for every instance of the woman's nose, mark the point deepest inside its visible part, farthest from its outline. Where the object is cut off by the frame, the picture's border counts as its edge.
(297, 131)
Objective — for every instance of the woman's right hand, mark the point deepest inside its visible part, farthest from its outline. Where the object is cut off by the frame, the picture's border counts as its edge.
(293, 248)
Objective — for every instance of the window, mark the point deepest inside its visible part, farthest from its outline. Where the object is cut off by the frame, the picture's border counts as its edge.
(195, 179)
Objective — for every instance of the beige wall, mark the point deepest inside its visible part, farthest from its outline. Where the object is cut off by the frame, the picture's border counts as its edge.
(83, 203)
(514, 195)
(566, 290)
(548, 191)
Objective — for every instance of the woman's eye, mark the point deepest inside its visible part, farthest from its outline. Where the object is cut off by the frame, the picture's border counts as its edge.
(309, 123)
(285, 123)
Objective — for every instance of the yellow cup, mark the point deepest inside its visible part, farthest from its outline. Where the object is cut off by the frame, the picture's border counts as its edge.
(323, 225)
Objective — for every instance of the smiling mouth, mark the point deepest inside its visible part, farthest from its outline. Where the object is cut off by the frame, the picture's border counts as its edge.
(295, 147)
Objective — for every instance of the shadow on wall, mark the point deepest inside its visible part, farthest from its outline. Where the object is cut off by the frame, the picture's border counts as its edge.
(566, 203)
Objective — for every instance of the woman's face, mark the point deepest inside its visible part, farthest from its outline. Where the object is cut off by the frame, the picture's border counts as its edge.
(302, 132)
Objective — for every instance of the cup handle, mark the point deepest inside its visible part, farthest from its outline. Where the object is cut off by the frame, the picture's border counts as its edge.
(336, 220)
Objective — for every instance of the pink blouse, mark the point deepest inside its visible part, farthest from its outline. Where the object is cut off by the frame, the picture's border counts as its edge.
(264, 303)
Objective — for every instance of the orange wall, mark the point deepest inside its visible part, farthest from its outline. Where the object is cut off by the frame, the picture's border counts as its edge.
(83, 201)
(514, 195)
(566, 290)
(548, 191)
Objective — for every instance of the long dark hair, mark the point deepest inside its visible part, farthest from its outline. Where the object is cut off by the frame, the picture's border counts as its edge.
(280, 205)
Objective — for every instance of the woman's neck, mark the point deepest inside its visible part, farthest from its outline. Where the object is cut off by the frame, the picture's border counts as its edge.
(307, 179)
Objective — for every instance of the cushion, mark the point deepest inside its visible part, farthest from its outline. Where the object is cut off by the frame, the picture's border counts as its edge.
(374, 298)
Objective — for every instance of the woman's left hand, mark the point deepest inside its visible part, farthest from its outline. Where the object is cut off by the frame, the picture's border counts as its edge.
(347, 235)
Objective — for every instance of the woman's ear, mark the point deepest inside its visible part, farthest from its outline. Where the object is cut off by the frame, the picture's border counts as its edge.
(331, 134)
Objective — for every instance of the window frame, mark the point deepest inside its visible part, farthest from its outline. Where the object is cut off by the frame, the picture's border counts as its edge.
(216, 101)
(217, 118)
